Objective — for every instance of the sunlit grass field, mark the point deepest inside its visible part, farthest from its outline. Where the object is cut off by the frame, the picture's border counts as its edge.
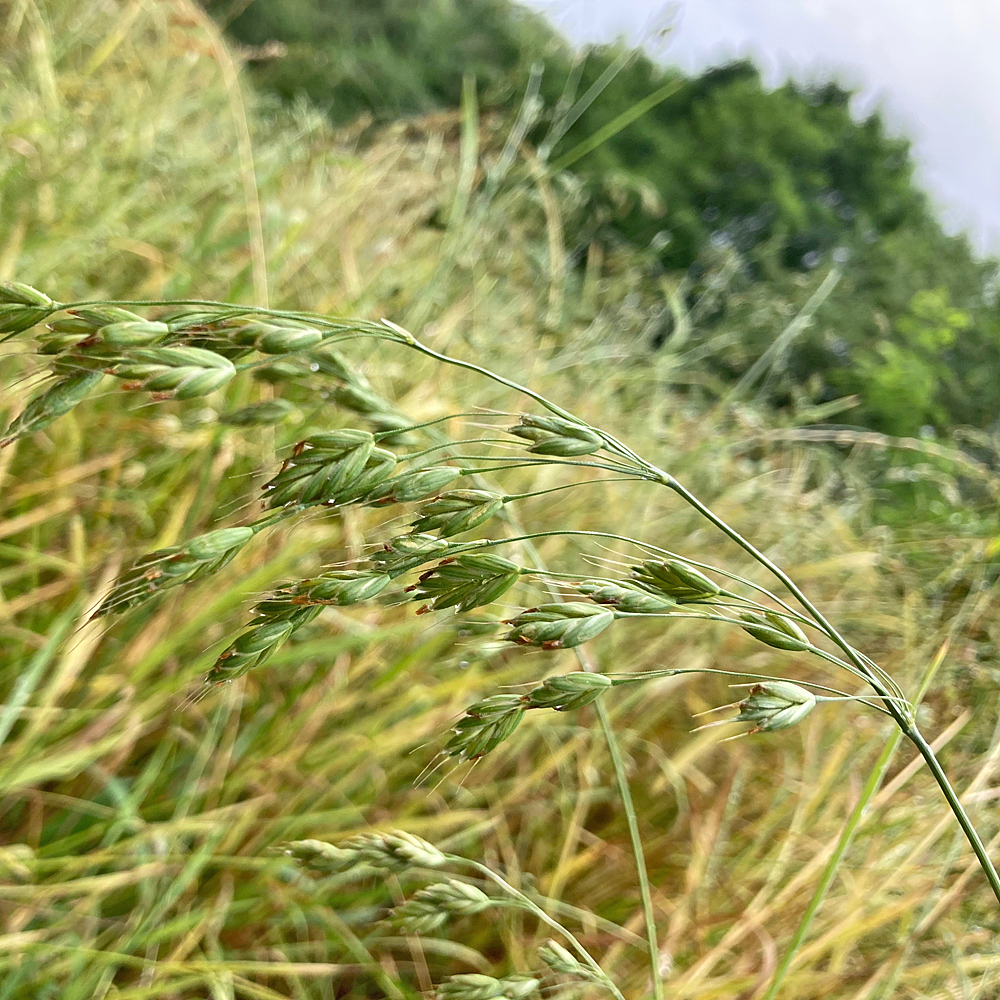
(141, 827)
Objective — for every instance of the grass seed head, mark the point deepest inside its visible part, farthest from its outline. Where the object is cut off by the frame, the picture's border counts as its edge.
(360, 399)
(186, 372)
(559, 626)
(217, 544)
(677, 580)
(163, 569)
(133, 333)
(272, 411)
(416, 485)
(282, 340)
(395, 851)
(475, 986)
(625, 598)
(279, 372)
(16, 319)
(562, 961)
(406, 552)
(457, 511)
(336, 467)
(775, 630)
(568, 692)
(485, 725)
(17, 293)
(468, 581)
(331, 362)
(321, 857)
(289, 609)
(392, 427)
(42, 409)
(555, 436)
(340, 587)
(775, 705)
(97, 316)
(251, 649)
(431, 908)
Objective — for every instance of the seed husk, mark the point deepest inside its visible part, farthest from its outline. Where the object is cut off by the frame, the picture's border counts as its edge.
(416, 485)
(556, 436)
(677, 580)
(558, 626)
(775, 630)
(18, 293)
(775, 705)
(625, 598)
(568, 692)
(468, 581)
(46, 407)
(457, 511)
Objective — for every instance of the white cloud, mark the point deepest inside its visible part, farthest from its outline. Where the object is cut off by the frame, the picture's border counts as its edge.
(932, 65)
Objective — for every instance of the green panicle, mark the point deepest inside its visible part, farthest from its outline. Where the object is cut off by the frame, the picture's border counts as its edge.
(287, 341)
(396, 851)
(334, 467)
(98, 316)
(133, 333)
(15, 319)
(432, 907)
(18, 293)
(321, 857)
(250, 650)
(329, 361)
(164, 569)
(186, 372)
(359, 399)
(775, 705)
(475, 986)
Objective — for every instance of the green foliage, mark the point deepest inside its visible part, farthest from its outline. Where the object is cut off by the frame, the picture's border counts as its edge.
(899, 379)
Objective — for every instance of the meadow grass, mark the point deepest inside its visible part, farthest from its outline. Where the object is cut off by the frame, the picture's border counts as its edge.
(140, 828)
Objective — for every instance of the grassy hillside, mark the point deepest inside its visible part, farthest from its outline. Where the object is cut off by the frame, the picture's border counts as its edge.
(141, 826)
(729, 190)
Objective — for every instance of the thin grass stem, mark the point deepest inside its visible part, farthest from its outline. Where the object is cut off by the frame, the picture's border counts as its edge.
(530, 905)
(621, 779)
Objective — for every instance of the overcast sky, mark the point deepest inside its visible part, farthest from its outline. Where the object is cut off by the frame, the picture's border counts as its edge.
(932, 65)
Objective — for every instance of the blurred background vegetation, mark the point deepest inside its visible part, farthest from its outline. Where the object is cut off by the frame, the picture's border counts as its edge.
(722, 185)
(745, 284)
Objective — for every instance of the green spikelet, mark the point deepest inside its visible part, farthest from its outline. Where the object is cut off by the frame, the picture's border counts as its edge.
(41, 410)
